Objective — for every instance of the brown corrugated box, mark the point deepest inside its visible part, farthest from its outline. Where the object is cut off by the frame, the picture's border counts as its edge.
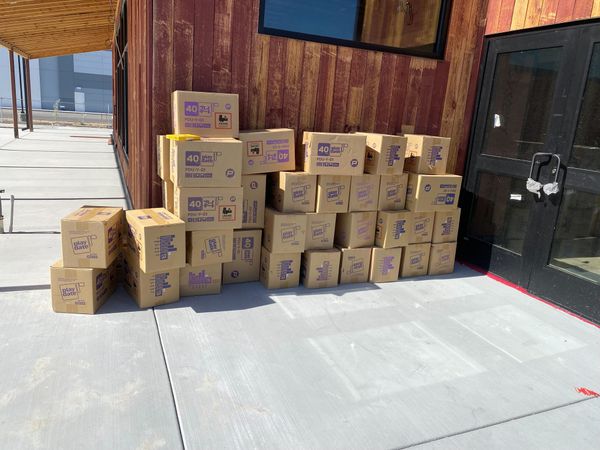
(156, 238)
(253, 210)
(415, 260)
(394, 229)
(334, 153)
(320, 268)
(269, 150)
(245, 260)
(209, 208)
(432, 192)
(203, 280)
(385, 264)
(392, 192)
(81, 290)
(426, 154)
(355, 229)
(320, 231)
(206, 114)
(292, 192)
(284, 232)
(153, 288)
(168, 195)
(163, 157)
(209, 247)
(445, 226)
(441, 258)
(91, 236)
(422, 227)
(333, 193)
(206, 163)
(279, 270)
(385, 154)
(355, 265)
(364, 193)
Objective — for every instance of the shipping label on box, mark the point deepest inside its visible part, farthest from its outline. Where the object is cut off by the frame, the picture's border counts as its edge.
(333, 193)
(206, 163)
(209, 208)
(432, 192)
(91, 236)
(270, 150)
(320, 268)
(355, 265)
(441, 258)
(209, 247)
(426, 154)
(201, 280)
(205, 114)
(355, 229)
(445, 226)
(334, 153)
(253, 211)
(422, 227)
(392, 192)
(81, 290)
(157, 239)
(163, 157)
(168, 195)
(293, 191)
(150, 289)
(415, 260)
(364, 193)
(320, 231)
(394, 229)
(385, 154)
(385, 264)
(245, 257)
(279, 270)
(284, 232)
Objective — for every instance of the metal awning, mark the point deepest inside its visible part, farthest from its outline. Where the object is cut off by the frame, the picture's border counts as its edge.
(42, 28)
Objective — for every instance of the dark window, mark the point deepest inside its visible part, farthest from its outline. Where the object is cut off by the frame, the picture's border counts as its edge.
(121, 81)
(416, 27)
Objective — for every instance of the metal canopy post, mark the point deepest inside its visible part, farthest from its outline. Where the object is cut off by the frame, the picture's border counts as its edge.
(13, 93)
(29, 102)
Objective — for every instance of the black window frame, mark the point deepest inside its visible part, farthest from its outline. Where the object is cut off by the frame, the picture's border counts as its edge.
(437, 53)
(121, 78)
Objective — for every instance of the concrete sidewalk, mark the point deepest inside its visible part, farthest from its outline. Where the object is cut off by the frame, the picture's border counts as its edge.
(456, 361)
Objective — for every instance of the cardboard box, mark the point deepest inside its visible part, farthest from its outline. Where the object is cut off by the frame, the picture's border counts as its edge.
(206, 114)
(320, 268)
(385, 154)
(392, 192)
(334, 153)
(270, 150)
(441, 258)
(206, 163)
(150, 289)
(168, 195)
(355, 265)
(81, 290)
(156, 238)
(333, 193)
(355, 229)
(415, 260)
(292, 191)
(163, 157)
(284, 233)
(320, 231)
(201, 280)
(364, 193)
(385, 264)
(209, 208)
(207, 247)
(426, 154)
(445, 226)
(91, 236)
(245, 257)
(394, 229)
(279, 270)
(422, 227)
(432, 192)
(253, 207)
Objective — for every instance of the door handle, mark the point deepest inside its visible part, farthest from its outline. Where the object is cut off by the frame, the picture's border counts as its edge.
(534, 186)
(552, 188)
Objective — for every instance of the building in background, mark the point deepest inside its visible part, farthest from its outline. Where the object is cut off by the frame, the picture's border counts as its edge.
(79, 82)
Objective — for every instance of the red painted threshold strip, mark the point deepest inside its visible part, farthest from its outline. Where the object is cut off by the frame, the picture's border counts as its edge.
(524, 291)
(588, 392)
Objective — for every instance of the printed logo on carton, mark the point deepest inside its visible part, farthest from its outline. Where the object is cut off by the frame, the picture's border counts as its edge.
(447, 226)
(393, 155)
(421, 224)
(416, 258)
(392, 191)
(334, 193)
(223, 121)
(364, 191)
(278, 156)
(299, 193)
(434, 155)
(82, 244)
(201, 158)
(285, 269)
(445, 258)
(399, 228)
(318, 231)
(195, 109)
(213, 245)
(165, 246)
(247, 249)
(323, 271)
(288, 234)
(254, 148)
(357, 265)
(387, 266)
(161, 283)
(199, 279)
(70, 292)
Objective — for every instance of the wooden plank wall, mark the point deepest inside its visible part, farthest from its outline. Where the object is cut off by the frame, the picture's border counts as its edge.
(214, 45)
(506, 15)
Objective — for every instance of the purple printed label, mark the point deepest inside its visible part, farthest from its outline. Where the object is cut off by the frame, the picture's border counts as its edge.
(435, 155)
(387, 266)
(393, 155)
(213, 245)
(319, 231)
(299, 193)
(82, 244)
(357, 266)
(450, 199)
(165, 246)
(323, 271)
(283, 155)
(201, 159)
(288, 234)
(202, 203)
(161, 283)
(392, 192)
(447, 226)
(364, 192)
(100, 279)
(445, 259)
(199, 279)
(427, 188)
(399, 228)
(285, 269)
(70, 291)
(334, 193)
(416, 259)
(195, 109)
